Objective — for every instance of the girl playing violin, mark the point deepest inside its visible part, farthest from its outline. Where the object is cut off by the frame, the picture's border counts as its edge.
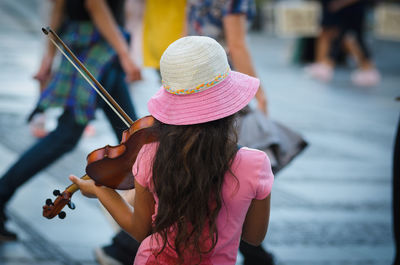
(196, 192)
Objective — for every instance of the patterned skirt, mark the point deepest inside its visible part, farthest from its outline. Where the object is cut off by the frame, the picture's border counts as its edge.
(67, 88)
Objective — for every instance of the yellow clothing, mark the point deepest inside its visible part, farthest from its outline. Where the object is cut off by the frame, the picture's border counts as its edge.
(163, 23)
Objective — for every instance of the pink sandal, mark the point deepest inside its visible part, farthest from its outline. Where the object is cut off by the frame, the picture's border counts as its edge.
(89, 131)
(366, 78)
(38, 125)
(320, 71)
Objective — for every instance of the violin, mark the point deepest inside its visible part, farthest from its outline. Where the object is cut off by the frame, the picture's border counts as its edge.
(109, 166)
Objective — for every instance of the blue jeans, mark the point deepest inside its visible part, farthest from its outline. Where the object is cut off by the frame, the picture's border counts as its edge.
(66, 136)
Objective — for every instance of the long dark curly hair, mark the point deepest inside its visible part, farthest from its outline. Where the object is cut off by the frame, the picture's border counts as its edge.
(188, 174)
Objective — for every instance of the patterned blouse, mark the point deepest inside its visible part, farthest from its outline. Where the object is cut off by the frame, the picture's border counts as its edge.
(205, 16)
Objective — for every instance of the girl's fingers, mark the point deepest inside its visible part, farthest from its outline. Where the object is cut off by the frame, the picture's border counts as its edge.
(74, 179)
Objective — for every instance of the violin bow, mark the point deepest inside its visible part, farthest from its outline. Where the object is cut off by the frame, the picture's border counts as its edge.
(52, 209)
(54, 38)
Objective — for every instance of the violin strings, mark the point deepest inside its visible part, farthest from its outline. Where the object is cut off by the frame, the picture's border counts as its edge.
(90, 83)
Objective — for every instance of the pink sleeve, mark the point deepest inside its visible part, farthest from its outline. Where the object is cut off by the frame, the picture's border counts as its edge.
(265, 179)
(142, 168)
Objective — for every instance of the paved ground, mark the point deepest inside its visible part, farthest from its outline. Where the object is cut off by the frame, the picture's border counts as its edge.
(330, 206)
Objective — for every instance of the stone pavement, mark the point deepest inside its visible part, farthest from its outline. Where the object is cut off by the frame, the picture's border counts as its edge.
(330, 206)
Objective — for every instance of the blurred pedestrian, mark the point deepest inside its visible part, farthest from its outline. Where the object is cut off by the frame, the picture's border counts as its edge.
(196, 192)
(227, 22)
(339, 19)
(92, 29)
(163, 23)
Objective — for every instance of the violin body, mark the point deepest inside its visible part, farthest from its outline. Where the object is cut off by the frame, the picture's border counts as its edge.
(111, 166)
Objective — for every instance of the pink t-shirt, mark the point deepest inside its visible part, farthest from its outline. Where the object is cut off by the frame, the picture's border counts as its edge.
(253, 171)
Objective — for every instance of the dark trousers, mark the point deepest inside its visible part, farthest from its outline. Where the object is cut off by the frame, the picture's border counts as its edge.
(350, 19)
(65, 136)
(396, 195)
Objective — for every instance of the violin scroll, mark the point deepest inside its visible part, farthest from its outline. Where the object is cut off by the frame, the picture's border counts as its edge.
(52, 209)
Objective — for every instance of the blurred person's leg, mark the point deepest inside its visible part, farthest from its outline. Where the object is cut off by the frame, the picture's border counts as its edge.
(323, 68)
(324, 43)
(336, 45)
(122, 250)
(363, 54)
(352, 48)
(255, 255)
(43, 153)
(396, 195)
(114, 82)
(329, 30)
(366, 74)
(320, 69)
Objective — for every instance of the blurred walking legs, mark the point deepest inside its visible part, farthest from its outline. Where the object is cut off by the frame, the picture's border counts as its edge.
(121, 251)
(62, 140)
(335, 36)
(43, 153)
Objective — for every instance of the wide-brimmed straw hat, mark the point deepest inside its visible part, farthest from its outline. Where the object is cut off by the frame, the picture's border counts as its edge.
(198, 85)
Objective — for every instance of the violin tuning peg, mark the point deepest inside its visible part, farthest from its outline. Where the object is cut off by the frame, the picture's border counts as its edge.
(49, 202)
(56, 192)
(62, 215)
(71, 205)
